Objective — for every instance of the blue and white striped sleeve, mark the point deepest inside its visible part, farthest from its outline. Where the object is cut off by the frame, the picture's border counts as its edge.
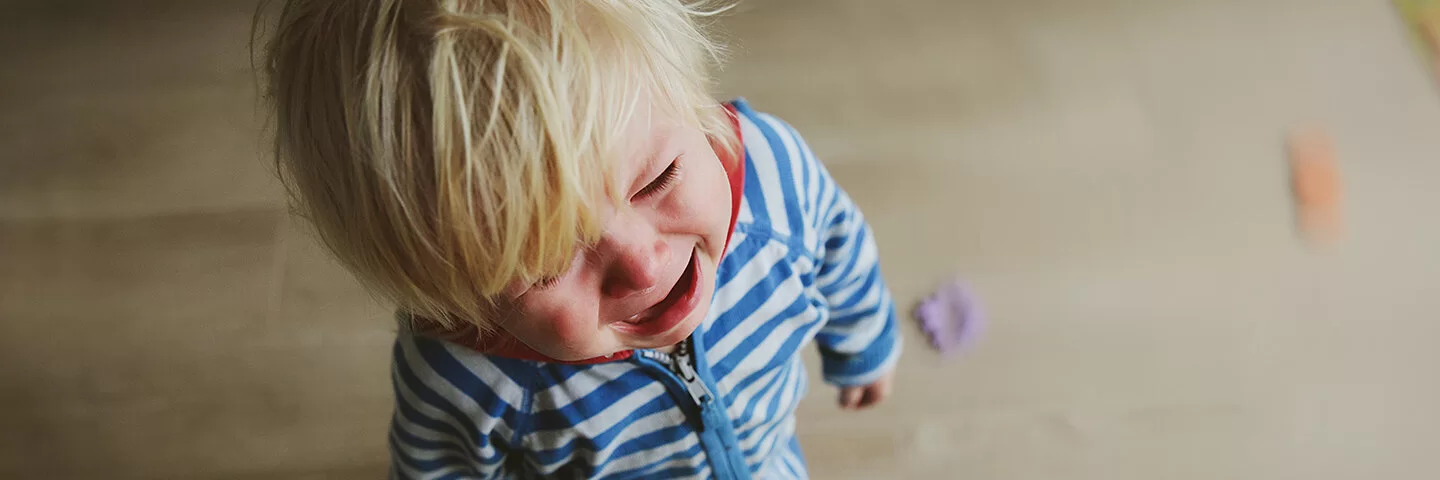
(454, 413)
(860, 342)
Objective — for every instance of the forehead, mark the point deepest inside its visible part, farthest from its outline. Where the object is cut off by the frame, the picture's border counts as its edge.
(646, 138)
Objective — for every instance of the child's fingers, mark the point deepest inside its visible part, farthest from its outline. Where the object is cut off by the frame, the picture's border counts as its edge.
(873, 394)
(883, 385)
(850, 397)
(865, 396)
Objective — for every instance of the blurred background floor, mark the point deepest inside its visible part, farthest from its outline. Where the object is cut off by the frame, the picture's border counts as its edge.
(1109, 174)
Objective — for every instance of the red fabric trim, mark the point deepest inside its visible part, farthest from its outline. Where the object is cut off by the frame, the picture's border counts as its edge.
(734, 169)
(503, 345)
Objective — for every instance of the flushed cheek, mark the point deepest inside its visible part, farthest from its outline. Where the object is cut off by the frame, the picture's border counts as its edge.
(560, 334)
(704, 209)
(570, 331)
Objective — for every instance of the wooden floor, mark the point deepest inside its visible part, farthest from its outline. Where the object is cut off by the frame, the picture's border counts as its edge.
(1107, 173)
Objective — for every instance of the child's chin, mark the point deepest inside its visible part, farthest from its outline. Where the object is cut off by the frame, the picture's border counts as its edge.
(686, 328)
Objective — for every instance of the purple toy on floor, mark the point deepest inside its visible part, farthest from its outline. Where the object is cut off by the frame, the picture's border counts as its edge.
(949, 317)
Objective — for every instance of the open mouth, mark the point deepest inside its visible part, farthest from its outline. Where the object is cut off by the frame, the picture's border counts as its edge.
(671, 310)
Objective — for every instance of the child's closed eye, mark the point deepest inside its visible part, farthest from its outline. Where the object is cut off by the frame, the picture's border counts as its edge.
(660, 183)
(547, 282)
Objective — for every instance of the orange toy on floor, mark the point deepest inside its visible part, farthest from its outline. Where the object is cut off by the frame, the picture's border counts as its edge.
(1315, 178)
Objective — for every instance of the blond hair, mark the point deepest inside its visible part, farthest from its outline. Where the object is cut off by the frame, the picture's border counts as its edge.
(444, 150)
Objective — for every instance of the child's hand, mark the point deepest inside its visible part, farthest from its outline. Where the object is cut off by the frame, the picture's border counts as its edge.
(866, 396)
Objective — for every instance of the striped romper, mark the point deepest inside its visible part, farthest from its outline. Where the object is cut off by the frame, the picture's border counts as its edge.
(800, 268)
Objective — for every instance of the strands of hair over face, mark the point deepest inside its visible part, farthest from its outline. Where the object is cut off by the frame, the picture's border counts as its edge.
(445, 150)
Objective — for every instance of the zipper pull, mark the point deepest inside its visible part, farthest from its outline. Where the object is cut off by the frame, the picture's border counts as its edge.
(680, 362)
(684, 367)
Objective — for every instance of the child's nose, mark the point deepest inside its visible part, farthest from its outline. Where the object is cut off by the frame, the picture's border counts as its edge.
(636, 259)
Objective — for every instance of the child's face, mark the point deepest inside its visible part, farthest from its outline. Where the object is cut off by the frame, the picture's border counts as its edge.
(648, 282)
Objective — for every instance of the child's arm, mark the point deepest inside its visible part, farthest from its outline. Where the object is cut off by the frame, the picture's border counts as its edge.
(859, 344)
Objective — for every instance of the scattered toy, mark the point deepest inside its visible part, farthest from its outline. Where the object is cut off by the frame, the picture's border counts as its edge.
(950, 317)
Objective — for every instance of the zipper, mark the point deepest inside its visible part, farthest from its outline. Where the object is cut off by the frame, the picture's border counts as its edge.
(684, 367)
(720, 443)
(682, 364)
